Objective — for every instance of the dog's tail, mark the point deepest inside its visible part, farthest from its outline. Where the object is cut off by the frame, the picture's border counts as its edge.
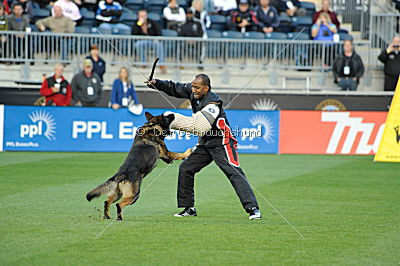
(106, 187)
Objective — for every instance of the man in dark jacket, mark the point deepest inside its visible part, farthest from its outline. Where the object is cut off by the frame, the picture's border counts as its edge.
(391, 59)
(348, 68)
(267, 16)
(243, 19)
(148, 27)
(99, 65)
(290, 7)
(216, 143)
(86, 86)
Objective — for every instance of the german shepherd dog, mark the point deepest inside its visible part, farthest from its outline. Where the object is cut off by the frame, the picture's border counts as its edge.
(147, 148)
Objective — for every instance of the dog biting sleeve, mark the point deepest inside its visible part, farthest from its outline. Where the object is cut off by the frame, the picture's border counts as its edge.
(198, 124)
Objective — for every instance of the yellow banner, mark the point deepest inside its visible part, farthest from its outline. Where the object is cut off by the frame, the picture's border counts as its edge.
(389, 147)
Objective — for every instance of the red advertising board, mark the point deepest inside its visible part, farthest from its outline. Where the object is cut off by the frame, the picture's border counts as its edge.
(315, 132)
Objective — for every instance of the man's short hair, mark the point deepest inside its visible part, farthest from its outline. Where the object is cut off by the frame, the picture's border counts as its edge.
(17, 4)
(204, 79)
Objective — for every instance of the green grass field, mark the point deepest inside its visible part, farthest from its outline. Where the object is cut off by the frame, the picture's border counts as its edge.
(347, 208)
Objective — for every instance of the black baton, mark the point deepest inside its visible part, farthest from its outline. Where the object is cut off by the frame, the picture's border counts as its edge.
(153, 69)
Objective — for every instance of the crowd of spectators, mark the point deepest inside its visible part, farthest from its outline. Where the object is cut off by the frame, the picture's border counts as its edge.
(188, 18)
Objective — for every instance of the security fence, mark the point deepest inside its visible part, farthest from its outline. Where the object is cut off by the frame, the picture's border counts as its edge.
(35, 47)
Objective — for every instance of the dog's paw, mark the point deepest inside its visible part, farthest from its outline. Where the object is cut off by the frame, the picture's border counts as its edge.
(106, 217)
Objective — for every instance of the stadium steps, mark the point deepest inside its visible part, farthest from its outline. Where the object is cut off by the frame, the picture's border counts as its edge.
(269, 79)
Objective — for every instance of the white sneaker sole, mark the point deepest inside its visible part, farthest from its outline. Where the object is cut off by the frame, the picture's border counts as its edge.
(255, 217)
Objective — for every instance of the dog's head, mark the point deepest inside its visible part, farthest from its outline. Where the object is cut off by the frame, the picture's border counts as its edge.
(158, 125)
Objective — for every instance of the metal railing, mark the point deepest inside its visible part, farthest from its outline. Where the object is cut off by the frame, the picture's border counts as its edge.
(44, 47)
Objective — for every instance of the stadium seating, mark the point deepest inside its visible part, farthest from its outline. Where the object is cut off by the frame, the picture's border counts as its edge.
(276, 36)
(134, 5)
(41, 13)
(128, 17)
(235, 49)
(169, 33)
(156, 6)
(218, 22)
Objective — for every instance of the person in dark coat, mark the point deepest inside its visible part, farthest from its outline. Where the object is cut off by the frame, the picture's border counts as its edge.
(267, 16)
(243, 19)
(391, 59)
(348, 68)
(99, 65)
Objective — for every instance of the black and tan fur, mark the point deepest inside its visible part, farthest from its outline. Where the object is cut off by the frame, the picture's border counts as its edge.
(147, 148)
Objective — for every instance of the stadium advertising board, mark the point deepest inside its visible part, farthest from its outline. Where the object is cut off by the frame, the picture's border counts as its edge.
(104, 129)
(313, 132)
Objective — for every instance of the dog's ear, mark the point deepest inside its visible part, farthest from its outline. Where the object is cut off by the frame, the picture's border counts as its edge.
(148, 116)
(171, 116)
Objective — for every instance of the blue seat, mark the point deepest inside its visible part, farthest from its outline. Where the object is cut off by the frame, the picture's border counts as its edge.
(343, 31)
(183, 3)
(301, 36)
(135, 5)
(214, 34)
(254, 35)
(128, 17)
(122, 31)
(345, 36)
(156, 6)
(218, 22)
(41, 13)
(89, 19)
(308, 5)
(154, 16)
(82, 29)
(169, 33)
(276, 36)
(103, 31)
(232, 34)
(302, 21)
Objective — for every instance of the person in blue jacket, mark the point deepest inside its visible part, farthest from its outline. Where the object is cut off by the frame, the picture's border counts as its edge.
(123, 91)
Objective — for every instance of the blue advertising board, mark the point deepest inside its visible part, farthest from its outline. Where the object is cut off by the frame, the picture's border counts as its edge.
(28, 128)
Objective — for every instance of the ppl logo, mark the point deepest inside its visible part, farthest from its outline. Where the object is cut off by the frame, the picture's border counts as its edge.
(43, 123)
(264, 126)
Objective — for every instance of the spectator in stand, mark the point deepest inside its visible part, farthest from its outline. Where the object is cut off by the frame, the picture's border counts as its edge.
(267, 16)
(99, 65)
(6, 7)
(123, 91)
(58, 24)
(224, 7)
(201, 15)
(323, 30)
(148, 27)
(18, 22)
(290, 7)
(326, 7)
(243, 19)
(70, 10)
(391, 59)
(174, 15)
(348, 68)
(3, 27)
(192, 28)
(86, 86)
(27, 6)
(56, 88)
(108, 15)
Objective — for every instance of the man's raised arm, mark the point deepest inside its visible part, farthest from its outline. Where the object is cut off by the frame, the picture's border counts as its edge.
(178, 90)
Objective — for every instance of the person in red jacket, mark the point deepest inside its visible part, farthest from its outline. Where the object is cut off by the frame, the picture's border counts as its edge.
(326, 7)
(56, 88)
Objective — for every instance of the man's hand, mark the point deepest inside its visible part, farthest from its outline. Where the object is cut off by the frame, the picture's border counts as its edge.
(115, 106)
(42, 28)
(55, 90)
(150, 83)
